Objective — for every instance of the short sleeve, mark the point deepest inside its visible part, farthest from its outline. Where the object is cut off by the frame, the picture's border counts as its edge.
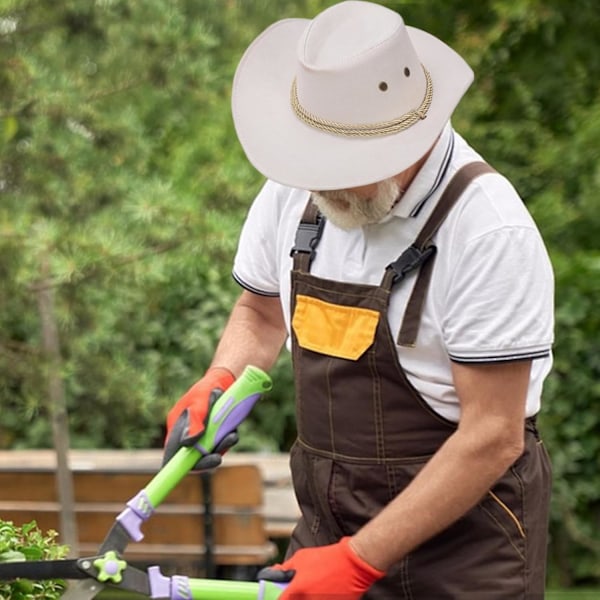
(255, 265)
(500, 298)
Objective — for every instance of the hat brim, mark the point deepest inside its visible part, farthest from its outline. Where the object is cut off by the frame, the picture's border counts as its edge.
(285, 149)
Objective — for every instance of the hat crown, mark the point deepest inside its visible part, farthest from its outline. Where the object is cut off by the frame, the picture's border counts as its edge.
(356, 65)
(344, 31)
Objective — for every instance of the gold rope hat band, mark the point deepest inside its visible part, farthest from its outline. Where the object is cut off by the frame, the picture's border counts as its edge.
(367, 129)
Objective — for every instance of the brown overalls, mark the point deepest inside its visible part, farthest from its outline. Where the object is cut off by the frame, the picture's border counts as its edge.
(364, 432)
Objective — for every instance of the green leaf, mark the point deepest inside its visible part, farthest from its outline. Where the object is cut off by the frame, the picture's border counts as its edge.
(33, 552)
(12, 556)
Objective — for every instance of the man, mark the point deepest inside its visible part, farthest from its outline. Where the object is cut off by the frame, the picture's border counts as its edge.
(417, 298)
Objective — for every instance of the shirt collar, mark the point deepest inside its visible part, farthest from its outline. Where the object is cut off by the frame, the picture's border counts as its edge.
(428, 178)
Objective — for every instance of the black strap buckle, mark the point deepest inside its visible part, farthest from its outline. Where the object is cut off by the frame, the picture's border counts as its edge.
(307, 237)
(409, 260)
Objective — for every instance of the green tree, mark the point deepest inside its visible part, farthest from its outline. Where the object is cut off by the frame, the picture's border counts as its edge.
(97, 184)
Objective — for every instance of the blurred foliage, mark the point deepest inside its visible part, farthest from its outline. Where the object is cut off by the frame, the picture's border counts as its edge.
(119, 164)
(27, 542)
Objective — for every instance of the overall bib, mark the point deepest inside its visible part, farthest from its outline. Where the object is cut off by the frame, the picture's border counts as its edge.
(364, 432)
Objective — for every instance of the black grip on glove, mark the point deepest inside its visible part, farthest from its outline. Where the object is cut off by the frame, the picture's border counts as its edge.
(179, 437)
(276, 575)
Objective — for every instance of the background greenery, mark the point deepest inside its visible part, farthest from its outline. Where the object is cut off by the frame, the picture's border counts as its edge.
(28, 542)
(123, 189)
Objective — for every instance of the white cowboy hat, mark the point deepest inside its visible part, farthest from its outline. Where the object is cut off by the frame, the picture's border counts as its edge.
(348, 98)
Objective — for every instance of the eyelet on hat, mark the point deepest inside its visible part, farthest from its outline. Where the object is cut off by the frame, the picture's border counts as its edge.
(407, 71)
(383, 86)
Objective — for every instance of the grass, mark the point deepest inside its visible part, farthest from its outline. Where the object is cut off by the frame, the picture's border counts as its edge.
(575, 594)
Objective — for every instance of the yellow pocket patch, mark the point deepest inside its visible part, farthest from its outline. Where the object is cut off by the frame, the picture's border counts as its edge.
(332, 329)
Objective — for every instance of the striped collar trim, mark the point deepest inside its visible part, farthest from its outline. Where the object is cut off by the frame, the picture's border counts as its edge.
(429, 178)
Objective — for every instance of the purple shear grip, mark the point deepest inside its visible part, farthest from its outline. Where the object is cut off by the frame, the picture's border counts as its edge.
(180, 588)
(174, 588)
(223, 409)
(235, 417)
(160, 586)
(138, 510)
(261, 590)
(230, 421)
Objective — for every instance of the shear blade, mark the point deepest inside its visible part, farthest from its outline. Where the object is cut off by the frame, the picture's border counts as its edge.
(83, 590)
(116, 539)
(41, 569)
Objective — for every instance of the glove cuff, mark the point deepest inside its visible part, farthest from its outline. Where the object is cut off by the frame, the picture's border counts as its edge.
(218, 377)
(367, 573)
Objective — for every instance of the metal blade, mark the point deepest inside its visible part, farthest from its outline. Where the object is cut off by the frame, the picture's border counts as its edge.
(116, 539)
(83, 590)
(42, 569)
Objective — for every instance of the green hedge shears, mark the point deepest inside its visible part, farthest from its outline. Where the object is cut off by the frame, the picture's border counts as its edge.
(108, 568)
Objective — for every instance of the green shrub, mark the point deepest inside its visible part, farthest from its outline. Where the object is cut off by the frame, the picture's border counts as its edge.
(28, 542)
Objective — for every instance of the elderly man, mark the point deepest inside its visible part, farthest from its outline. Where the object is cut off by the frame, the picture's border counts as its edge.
(417, 298)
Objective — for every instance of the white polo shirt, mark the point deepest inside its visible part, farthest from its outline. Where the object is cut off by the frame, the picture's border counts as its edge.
(491, 295)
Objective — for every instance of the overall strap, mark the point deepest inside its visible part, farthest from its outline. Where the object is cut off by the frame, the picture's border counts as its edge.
(308, 235)
(422, 251)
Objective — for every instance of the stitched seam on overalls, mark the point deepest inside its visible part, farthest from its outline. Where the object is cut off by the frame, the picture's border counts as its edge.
(296, 362)
(332, 531)
(405, 579)
(366, 461)
(316, 522)
(523, 504)
(377, 406)
(525, 521)
(334, 508)
(501, 526)
(330, 407)
(391, 481)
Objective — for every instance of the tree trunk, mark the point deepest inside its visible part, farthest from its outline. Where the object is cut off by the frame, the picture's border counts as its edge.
(57, 407)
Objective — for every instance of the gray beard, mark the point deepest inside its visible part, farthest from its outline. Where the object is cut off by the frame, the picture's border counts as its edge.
(348, 210)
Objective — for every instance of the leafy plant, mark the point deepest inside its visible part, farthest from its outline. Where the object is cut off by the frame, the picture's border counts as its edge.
(28, 542)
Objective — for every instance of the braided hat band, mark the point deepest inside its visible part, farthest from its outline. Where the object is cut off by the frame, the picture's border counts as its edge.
(365, 129)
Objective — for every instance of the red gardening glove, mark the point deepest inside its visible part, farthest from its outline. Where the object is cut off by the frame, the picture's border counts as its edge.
(324, 573)
(186, 421)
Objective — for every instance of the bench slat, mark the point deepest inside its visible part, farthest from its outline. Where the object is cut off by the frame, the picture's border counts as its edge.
(280, 507)
(177, 527)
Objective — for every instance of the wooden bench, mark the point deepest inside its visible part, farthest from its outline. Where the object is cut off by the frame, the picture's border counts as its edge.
(210, 521)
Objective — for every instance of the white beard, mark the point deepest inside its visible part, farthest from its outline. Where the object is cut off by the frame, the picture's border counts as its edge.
(349, 210)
